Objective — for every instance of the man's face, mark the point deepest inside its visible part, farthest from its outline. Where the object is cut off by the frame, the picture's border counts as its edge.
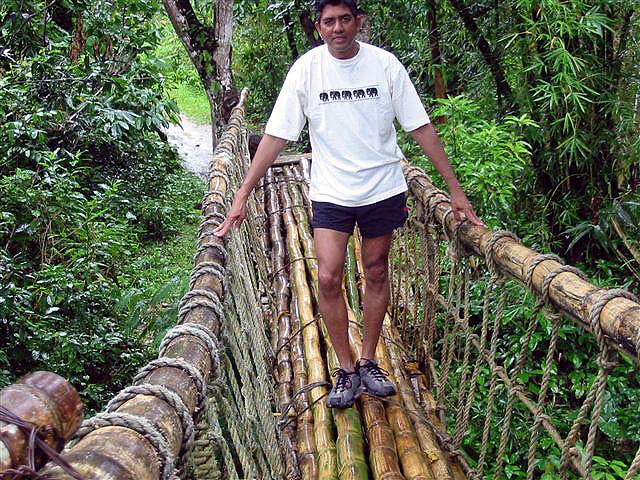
(338, 27)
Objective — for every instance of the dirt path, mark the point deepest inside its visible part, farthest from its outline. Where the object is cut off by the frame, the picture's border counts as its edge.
(193, 143)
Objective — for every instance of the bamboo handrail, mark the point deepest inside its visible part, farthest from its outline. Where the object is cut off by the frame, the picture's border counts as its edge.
(570, 294)
(118, 451)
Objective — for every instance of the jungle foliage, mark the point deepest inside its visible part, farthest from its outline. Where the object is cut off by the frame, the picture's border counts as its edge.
(87, 186)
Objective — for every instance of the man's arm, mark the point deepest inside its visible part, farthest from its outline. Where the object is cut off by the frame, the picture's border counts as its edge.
(429, 141)
(267, 152)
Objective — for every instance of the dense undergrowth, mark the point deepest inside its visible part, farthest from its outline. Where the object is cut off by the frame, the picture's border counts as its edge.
(93, 201)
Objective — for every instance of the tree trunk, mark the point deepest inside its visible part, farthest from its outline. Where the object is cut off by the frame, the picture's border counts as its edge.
(209, 48)
(77, 42)
(291, 39)
(223, 31)
(309, 28)
(503, 89)
(436, 59)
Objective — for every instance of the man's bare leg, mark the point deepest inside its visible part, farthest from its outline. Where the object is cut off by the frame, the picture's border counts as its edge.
(331, 247)
(375, 259)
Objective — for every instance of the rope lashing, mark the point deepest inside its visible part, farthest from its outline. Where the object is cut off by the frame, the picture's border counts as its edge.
(634, 468)
(606, 362)
(284, 414)
(199, 331)
(522, 356)
(32, 433)
(537, 260)
(222, 252)
(211, 201)
(166, 395)
(207, 268)
(200, 298)
(288, 264)
(139, 425)
(598, 306)
(218, 176)
(434, 199)
(291, 337)
(595, 396)
(489, 252)
(211, 220)
(180, 364)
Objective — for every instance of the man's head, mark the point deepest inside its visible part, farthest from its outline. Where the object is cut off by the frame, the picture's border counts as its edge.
(337, 22)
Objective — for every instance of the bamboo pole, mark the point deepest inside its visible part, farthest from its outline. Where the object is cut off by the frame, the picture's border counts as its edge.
(349, 443)
(305, 438)
(574, 297)
(316, 373)
(413, 460)
(437, 462)
(43, 399)
(282, 324)
(120, 452)
(383, 454)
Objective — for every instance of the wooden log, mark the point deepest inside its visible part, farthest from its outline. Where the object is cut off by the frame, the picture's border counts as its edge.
(121, 453)
(45, 400)
(571, 295)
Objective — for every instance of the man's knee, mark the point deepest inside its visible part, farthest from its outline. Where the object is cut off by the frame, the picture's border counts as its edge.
(330, 282)
(377, 273)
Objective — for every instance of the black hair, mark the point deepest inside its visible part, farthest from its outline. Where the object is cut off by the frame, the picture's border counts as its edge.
(352, 4)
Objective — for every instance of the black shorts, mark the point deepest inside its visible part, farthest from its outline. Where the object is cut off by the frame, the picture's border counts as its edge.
(375, 220)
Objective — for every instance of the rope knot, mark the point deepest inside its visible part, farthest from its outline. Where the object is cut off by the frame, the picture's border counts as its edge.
(607, 365)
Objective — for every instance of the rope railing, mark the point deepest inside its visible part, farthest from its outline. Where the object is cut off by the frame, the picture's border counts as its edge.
(477, 375)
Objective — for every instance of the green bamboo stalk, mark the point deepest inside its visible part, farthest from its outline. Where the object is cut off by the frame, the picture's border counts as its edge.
(322, 417)
(305, 438)
(350, 444)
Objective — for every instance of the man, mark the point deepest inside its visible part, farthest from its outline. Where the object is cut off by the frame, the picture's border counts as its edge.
(350, 93)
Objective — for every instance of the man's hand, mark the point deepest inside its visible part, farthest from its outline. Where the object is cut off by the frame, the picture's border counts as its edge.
(235, 217)
(462, 209)
(268, 149)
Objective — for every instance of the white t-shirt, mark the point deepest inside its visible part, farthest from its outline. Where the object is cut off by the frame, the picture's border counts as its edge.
(350, 105)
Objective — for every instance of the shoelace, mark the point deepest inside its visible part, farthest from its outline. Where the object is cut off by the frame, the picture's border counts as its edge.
(379, 374)
(344, 379)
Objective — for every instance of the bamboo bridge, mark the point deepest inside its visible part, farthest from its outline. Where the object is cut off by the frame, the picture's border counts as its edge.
(238, 389)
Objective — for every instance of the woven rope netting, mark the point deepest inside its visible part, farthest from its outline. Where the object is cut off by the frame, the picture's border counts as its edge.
(489, 386)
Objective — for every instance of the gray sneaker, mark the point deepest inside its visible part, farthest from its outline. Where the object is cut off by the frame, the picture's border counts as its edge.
(374, 379)
(345, 389)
